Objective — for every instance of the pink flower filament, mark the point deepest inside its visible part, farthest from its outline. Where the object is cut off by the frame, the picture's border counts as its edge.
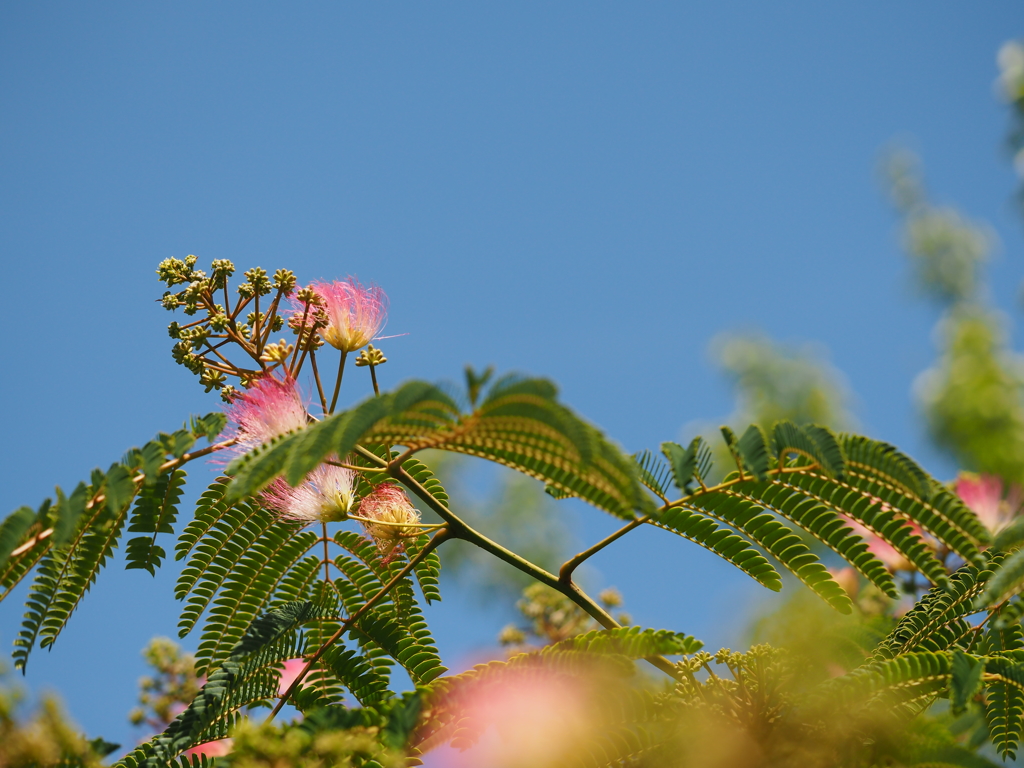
(354, 313)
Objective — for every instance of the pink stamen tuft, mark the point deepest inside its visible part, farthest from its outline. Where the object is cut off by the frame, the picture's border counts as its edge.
(271, 407)
(354, 313)
(984, 495)
(389, 504)
(324, 496)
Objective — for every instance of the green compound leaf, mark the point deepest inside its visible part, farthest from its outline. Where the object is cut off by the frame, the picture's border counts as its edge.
(966, 680)
(821, 484)
(938, 621)
(813, 443)
(156, 510)
(519, 424)
(1008, 579)
(753, 451)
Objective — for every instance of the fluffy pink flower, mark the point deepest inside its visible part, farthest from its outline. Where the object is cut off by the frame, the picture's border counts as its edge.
(389, 504)
(323, 497)
(529, 718)
(354, 313)
(984, 495)
(217, 748)
(271, 407)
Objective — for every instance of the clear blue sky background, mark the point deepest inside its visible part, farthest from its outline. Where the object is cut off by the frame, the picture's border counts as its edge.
(584, 191)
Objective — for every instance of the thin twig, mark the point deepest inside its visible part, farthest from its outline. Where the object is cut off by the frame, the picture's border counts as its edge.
(316, 377)
(341, 373)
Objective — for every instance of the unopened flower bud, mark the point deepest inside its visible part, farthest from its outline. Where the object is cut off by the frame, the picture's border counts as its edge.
(277, 353)
(370, 356)
(219, 321)
(212, 379)
(284, 281)
(222, 268)
(257, 277)
(308, 296)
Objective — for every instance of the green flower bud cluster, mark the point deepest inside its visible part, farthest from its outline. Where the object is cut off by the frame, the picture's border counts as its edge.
(183, 355)
(196, 336)
(258, 283)
(222, 332)
(277, 353)
(219, 320)
(370, 356)
(220, 271)
(308, 296)
(175, 271)
(261, 317)
(212, 379)
(193, 295)
(284, 281)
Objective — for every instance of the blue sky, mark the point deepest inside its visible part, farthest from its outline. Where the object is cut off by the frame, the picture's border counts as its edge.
(588, 192)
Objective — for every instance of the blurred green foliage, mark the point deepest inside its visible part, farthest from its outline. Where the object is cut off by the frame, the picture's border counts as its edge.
(173, 684)
(776, 382)
(268, 745)
(46, 738)
(1011, 87)
(972, 398)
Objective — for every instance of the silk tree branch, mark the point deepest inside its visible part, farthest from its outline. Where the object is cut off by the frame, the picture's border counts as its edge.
(460, 529)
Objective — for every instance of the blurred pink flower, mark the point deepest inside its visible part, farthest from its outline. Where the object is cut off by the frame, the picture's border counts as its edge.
(217, 748)
(540, 719)
(324, 496)
(291, 670)
(984, 495)
(388, 504)
(354, 313)
(271, 407)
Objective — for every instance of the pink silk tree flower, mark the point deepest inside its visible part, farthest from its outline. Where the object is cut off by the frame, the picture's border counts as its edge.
(271, 407)
(218, 748)
(389, 505)
(354, 314)
(325, 496)
(983, 494)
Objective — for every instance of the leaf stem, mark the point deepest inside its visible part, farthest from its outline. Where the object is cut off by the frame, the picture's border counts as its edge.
(337, 386)
(327, 556)
(565, 572)
(319, 386)
(373, 375)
